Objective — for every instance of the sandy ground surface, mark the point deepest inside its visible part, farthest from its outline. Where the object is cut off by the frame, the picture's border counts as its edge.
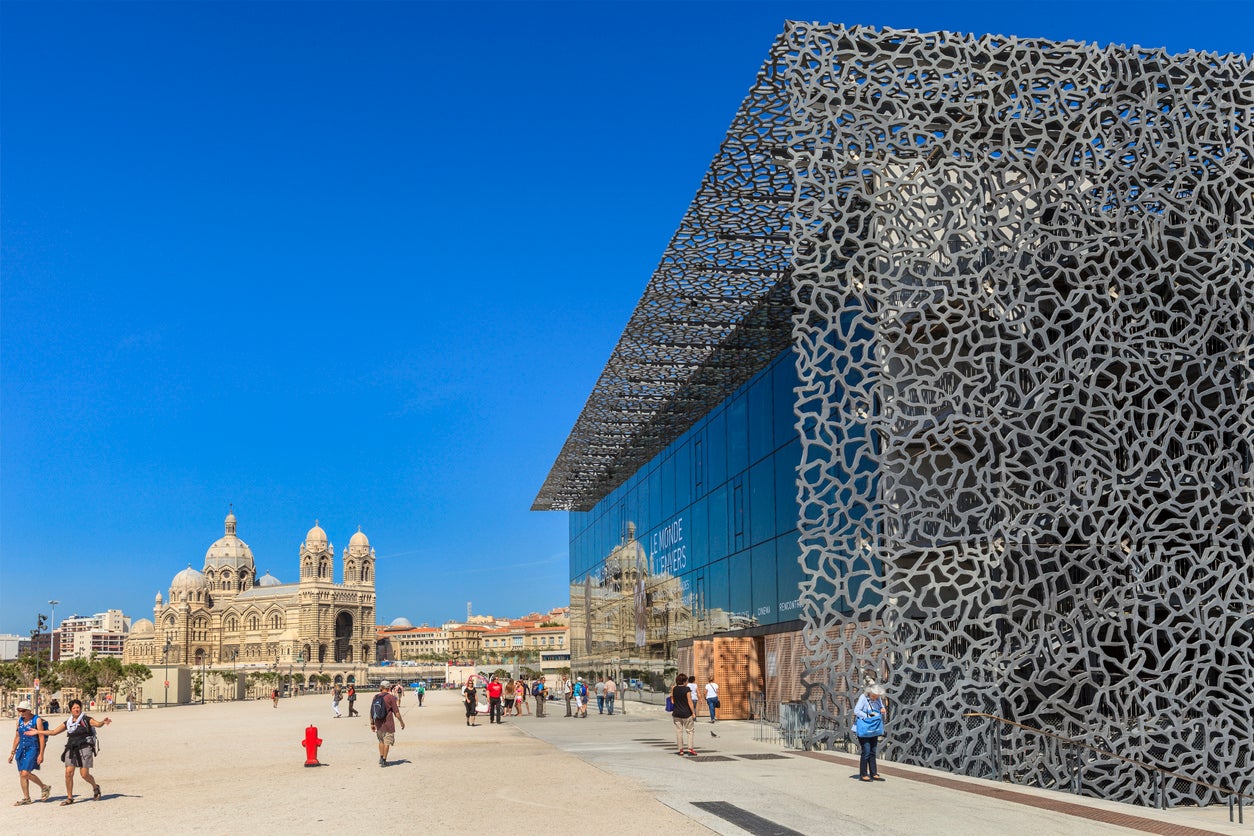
(239, 768)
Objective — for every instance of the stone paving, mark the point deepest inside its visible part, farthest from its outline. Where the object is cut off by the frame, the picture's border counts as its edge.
(238, 768)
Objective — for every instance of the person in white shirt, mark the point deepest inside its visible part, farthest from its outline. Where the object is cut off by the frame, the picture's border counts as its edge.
(711, 697)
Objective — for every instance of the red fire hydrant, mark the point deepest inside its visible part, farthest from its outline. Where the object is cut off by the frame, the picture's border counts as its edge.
(311, 744)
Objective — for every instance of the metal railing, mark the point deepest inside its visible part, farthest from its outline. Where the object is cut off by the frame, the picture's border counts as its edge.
(765, 721)
(1236, 798)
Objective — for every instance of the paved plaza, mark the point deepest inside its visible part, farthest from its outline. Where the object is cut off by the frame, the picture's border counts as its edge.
(238, 768)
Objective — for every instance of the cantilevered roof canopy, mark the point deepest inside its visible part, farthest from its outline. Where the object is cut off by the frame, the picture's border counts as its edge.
(716, 311)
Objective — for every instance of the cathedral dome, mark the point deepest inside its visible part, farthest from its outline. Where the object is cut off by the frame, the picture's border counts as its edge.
(142, 627)
(359, 539)
(229, 551)
(189, 578)
(316, 536)
(268, 580)
(400, 622)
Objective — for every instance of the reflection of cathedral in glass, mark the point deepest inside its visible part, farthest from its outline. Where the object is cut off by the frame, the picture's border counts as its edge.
(631, 616)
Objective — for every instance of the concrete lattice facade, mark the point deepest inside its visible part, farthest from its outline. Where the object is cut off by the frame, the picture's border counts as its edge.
(1024, 290)
(1017, 279)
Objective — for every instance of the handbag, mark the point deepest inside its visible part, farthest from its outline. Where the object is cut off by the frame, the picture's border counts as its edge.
(870, 727)
(670, 706)
(717, 704)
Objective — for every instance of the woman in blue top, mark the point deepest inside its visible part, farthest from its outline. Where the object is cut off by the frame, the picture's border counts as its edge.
(870, 707)
(29, 752)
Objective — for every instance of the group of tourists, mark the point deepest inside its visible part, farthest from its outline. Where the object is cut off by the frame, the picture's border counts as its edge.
(578, 692)
(511, 698)
(81, 745)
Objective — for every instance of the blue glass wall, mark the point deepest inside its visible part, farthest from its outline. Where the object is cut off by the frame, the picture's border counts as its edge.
(717, 509)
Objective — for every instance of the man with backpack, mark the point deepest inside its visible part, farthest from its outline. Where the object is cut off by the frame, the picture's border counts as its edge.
(384, 713)
(541, 692)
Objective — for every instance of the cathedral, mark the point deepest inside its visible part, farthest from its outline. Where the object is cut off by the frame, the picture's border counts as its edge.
(225, 615)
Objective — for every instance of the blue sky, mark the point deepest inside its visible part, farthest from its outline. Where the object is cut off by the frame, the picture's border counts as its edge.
(360, 263)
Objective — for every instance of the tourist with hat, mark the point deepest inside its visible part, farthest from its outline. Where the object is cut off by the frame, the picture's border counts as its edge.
(29, 752)
(80, 748)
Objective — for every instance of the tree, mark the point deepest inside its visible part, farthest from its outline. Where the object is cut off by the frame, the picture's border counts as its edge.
(108, 670)
(132, 675)
(79, 674)
(10, 676)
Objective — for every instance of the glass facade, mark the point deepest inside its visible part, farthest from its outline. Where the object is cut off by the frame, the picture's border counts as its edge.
(701, 540)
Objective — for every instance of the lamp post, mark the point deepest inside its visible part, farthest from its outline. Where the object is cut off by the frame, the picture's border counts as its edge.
(291, 686)
(235, 684)
(165, 663)
(52, 631)
(204, 679)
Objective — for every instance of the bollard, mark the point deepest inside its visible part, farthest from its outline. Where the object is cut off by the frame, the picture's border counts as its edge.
(311, 744)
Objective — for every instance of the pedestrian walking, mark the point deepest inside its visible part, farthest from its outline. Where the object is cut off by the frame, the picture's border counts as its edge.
(567, 692)
(336, 696)
(581, 699)
(611, 691)
(471, 699)
(421, 691)
(352, 698)
(274, 697)
(494, 700)
(600, 689)
(29, 752)
(711, 697)
(869, 727)
(520, 698)
(541, 692)
(681, 715)
(508, 696)
(80, 748)
(385, 713)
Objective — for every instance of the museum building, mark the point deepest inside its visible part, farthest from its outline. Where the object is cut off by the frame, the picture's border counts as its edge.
(945, 382)
(224, 615)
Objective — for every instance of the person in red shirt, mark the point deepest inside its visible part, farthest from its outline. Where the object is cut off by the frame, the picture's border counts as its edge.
(494, 700)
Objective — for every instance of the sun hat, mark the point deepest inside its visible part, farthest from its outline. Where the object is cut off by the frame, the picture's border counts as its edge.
(24, 705)
(385, 684)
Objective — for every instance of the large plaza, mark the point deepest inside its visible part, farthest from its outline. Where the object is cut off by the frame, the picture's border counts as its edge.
(238, 768)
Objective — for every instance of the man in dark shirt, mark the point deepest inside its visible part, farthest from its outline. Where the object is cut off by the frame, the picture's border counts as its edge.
(385, 729)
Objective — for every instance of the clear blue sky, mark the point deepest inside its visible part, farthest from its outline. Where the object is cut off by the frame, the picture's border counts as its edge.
(356, 262)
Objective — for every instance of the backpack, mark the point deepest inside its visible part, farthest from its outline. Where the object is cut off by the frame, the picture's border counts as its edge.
(535, 690)
(378, 709)
(580, 689)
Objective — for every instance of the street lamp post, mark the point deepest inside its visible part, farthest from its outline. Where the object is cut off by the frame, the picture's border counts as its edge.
(52, 631)
(165, 661)
(234, 685)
